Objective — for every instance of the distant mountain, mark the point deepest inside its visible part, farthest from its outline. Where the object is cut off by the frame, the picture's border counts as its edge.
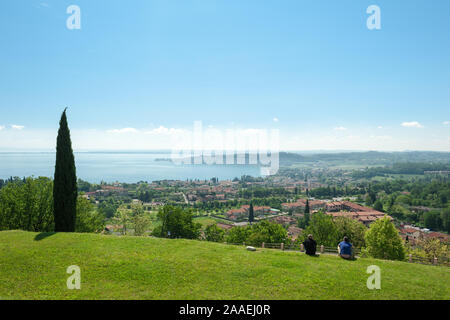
(366, 158)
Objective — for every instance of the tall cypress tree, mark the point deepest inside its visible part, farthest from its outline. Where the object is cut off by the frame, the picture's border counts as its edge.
(307, 214)
(251, 215)
(65, 183)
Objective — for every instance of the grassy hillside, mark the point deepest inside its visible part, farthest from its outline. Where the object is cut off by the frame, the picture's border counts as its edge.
(33, 266)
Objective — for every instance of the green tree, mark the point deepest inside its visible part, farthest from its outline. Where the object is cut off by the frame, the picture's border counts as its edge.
(122, 218)
(445, 218)
(383, 240)
(378, 205)
(214, 233)
(323, 229)
(371, 198)
(430, 248)
(237, 235)
(27, 205)
(88, 218)
(307, 206)
(267, 232)
(353, 229)
(432, 220)
(176, 223)
(139, 220)
(65, 182)
(251, 214)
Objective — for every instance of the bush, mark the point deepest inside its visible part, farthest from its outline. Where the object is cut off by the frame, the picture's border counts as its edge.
(383, 241)
(88, 219)
(214, 233)
(353, 229)
(27, 205)
(432, 220)
(267, 232)
(256, 234)
(238, 235)
(177, 222)
(323, 229)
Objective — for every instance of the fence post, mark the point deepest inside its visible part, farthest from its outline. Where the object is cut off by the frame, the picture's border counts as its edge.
(262, 245)
(302, 248)
(435, 261)
(282, 246)
(410, 258)
(243, 243)
(321, 249)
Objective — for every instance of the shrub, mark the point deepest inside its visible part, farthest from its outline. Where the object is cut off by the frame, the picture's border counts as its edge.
(178, 222)
(383, 241)
(214, 233)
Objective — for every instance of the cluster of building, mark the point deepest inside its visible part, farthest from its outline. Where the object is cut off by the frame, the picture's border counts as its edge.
(107, 190)
(365, 215)
(412, 234)
(243, 211)
(300, 205)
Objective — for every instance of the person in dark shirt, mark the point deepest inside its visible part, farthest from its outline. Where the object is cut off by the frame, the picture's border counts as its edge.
(345, 249)
(310, 245)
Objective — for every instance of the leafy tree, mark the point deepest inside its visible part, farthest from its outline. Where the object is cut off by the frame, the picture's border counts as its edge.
(178, 222)
(403, 199)
(83, 186)
(122, 218)
(256, 234)
(88, 219)
(378, 205)
(323, 229)
(65, 182)
(307, 207)
(371, 198)
(432, 220)
(27, 205)
(267, 232)
(430, 247)
(108, 208)
(351, 228)
(251, 214)
(237, 235)
(445, 218)
(303, 222)
(214, 233)
(139, 220)
(383, 240)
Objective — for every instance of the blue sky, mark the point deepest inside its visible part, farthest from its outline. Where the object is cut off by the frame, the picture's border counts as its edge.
(310, 69)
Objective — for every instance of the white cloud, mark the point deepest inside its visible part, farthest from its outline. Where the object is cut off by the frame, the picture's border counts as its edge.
(275, 119)
(412, 124)
(340, 128)
(17, 127)
(2, 127)
(164, 130)
(446, 123)
(380, 127)
(123, 130)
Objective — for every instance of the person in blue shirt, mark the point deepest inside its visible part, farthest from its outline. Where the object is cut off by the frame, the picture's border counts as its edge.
(345, 249)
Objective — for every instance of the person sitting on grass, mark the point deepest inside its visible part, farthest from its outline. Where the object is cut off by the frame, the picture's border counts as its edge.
(310, 245)
(345, 249)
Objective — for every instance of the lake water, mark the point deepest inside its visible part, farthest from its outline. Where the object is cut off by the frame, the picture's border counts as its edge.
(117, 166)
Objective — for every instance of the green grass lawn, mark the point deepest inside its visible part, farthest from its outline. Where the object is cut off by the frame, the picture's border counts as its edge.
(206, 221)
(33, 266)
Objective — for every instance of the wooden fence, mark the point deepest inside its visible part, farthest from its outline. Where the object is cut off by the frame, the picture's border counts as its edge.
(442, 261)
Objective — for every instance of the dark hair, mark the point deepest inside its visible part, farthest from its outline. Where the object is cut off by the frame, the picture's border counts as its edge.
(345, 239)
